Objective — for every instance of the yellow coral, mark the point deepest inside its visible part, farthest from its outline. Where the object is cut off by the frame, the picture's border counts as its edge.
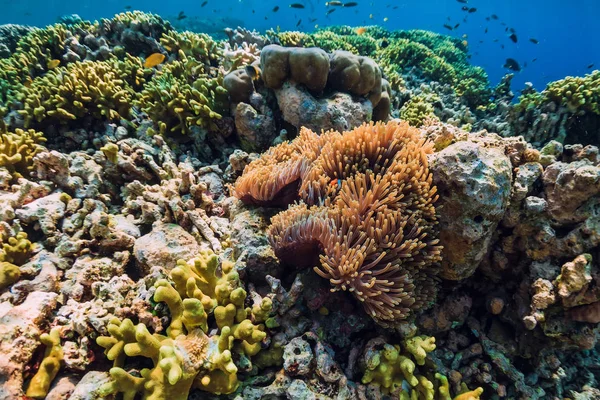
(53, 357)
(186, 357)
(9, 274)
(18, 149)
(15, 249)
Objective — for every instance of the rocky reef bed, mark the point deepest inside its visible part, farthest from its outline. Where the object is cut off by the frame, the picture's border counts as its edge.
(347, 214)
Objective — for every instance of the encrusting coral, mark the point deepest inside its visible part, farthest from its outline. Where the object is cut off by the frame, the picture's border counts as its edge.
(372, 216)
(187, 357)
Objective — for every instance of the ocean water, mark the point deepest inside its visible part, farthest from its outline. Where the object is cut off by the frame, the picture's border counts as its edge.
(567, 31)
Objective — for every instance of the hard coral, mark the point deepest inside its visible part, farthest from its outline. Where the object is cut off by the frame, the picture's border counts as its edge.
(187, 356)
(103, 90)
(18, 149)
(372, 213)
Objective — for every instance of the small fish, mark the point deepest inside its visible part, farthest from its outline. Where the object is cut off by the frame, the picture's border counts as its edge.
(465, 43)
(316, 26)
(298, 23)
(181, 16)
(386, 19)
(456, 26)
(590, 66)
(472, 10)
(513, 37)
(296, 5)
(535, 59)
(253, 12)
(465, 8)
(370, 16)
(512, 30)
(253, 71)
(448, 27)
(464, 36)
(487, 18)
(395, 8)
(486, 30)
(351, 4)
(334, 3)
(502, 46)
(276, 8)
(493, 16)
(127, 7)
(361, 30)
(330, 11)
(512, 64)
(203, 4)
(153, 60)
(495, 40)
(534, 41)
(311, 20)
(53, 64)
(462, 1)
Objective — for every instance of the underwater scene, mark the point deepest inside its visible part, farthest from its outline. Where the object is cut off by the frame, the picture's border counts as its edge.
(299, 199)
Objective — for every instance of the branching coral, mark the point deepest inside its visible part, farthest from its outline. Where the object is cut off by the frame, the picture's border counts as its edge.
(53, 358)
(187, 357)
(198, 46)
(372, 216)
(103, 90)
(401, 370)
(18, 149)
(181, 96)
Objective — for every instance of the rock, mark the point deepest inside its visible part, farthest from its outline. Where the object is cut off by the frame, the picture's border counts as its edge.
(89, 385)
(46, 210)
(474, 183)
(62, 388)
(298, 390)
(571, 190)
(255, 131)
(298, 357)
(163, 246)
(340, 111)
(19, 338)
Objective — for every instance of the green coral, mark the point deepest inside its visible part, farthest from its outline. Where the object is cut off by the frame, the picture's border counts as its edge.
(101, 89)
(9, 274)
(198, 46)
(49, 367)
(17, 150)
(404, 54)
(416, 110)
(199, 297)
(180, 97)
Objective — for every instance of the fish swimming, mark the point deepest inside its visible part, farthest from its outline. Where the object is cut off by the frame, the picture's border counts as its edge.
(203, 4)
(350, 4)
(276, 8)
(534, 41)
(513, 37)
(472, 10)
(153, 60)
(512, 64)
(296, 5)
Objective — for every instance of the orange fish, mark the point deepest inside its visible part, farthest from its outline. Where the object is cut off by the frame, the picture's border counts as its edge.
(361, 30)
(153, 60)
(465, 43)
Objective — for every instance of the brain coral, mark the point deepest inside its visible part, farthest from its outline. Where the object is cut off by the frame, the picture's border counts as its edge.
(367, 214)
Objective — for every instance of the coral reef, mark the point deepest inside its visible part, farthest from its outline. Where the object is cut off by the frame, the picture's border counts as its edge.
(147, 249)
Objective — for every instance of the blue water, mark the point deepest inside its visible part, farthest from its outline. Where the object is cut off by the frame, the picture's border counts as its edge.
(567, 30)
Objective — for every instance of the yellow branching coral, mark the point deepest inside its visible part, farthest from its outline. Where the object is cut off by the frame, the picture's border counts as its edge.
(401, 371)
(203, 293)
(368, 212)
(199, 46)
(18, 149)
(102, 89)
(49, 367)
